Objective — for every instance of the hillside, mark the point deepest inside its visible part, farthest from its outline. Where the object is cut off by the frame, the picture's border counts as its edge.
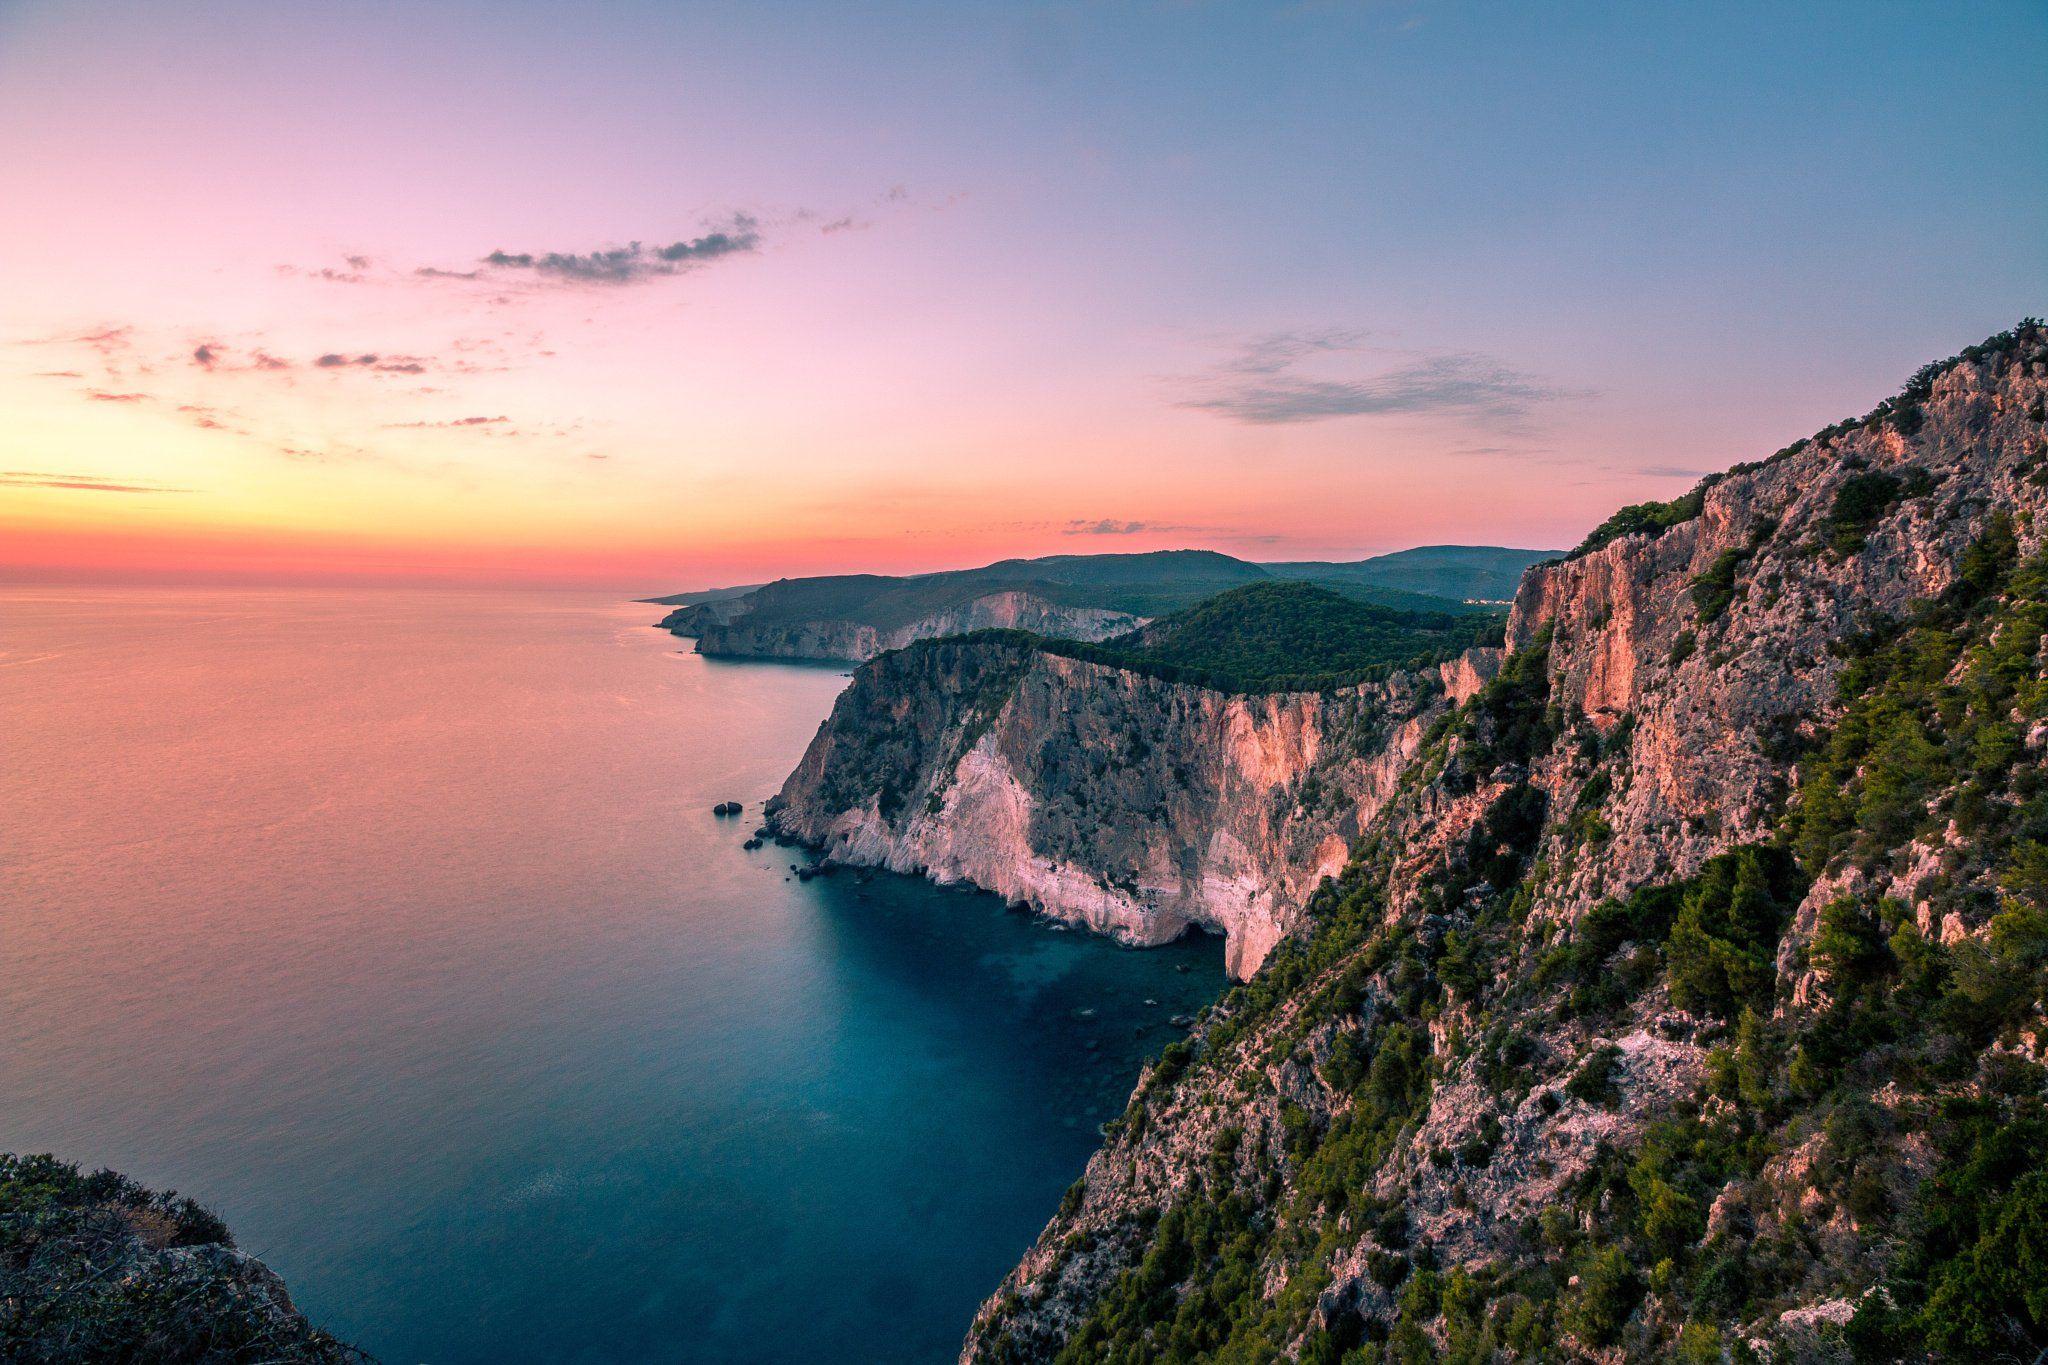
(1267, 637)
(1080, 597)
(1678, 993)
(1686, 1000)
(1460, 573)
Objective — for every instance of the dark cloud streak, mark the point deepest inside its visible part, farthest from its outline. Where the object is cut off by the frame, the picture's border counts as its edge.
(1261, 385)
(633, 262)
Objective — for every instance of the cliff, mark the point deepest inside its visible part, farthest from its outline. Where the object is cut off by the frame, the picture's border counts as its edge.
(1682, 997)
(1103, 796)
(728, 629)
(96, 1268)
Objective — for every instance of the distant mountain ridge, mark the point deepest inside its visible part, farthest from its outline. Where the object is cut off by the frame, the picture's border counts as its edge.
(1462, 573)
(1082, 597)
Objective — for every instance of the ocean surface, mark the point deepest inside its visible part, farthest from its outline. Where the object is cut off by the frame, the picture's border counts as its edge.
(395, 926)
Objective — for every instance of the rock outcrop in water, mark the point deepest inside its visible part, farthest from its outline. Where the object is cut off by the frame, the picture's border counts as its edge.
(1104, 796)
(96, 1268)
(1683, 996)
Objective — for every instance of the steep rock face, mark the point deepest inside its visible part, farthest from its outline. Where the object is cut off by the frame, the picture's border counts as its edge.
(727, 628)
(1652, 999)
(1105, 797)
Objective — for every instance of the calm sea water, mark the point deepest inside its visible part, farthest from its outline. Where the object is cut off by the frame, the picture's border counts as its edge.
(396, 927)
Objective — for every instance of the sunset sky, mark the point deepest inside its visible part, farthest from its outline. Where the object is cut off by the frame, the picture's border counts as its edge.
(655, 296)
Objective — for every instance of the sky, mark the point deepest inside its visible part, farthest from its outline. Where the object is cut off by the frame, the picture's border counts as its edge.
(662, 296)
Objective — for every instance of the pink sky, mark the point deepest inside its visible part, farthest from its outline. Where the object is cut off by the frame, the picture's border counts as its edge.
(944, 288)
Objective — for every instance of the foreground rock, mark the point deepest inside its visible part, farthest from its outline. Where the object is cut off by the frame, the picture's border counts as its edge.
(95, 1268)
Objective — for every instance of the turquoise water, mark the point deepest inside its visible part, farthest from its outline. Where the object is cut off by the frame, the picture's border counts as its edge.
(396, 927)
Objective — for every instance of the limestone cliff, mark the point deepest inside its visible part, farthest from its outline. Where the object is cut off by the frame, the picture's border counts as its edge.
(1683, 998)
(1105, 797)
(729, 629)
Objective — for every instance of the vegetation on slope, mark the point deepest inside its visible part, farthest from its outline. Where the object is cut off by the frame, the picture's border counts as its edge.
(1944, 1184)
(1902, 412)
(1430, 579)
(1457, 573)
(1287, 637)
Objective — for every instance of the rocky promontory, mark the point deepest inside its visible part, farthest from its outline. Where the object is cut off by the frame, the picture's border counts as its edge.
(94, 1267)
(1104, 796)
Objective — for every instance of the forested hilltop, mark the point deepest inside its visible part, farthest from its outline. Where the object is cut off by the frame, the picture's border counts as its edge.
(1685, 999)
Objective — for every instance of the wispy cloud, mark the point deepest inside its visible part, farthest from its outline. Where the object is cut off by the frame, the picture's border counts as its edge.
(83, 483)
(1111, 526)
(383, 364)
(450, 422)
(1264, 383)
(635, 261)
(743, 232)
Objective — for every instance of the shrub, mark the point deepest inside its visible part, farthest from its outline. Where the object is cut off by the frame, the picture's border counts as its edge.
(1594, 1081)
(1607, 1294)
(1646, 518)
(1714, 590)
(1860, 503)
(1726, 932)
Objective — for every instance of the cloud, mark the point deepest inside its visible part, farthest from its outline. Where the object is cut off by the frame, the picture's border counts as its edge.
(1116, 526)
(451, 422)
(218, 356)
(1110, 526)
(104, 396)
(633, 262)
(1264, 384)
(84, 483)
(1673, 471)
(210, 418)
(388, 364)
(1276, 351)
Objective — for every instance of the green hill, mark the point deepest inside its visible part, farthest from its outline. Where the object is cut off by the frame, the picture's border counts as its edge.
(1462, 573)
(1267, 637)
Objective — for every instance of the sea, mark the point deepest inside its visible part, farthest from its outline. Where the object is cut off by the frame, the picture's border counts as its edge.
(395, 926)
